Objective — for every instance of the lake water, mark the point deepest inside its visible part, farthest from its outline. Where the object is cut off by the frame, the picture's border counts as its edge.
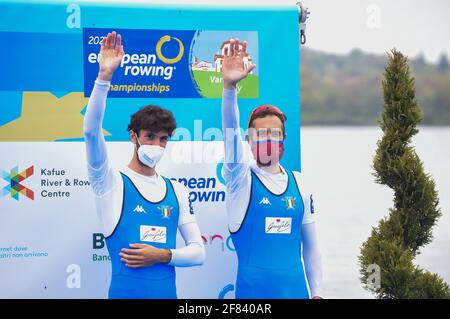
(349, 203)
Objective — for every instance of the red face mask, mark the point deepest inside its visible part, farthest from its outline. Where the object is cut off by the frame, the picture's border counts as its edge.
(267, 152)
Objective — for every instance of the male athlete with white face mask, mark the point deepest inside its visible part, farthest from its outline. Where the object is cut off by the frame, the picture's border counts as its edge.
(270, 215)
(140, 210)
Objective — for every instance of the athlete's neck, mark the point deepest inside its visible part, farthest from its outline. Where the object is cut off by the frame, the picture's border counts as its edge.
(136, 165)
(273, 169)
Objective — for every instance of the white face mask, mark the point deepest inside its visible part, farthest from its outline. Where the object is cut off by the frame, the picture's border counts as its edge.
(149, 155)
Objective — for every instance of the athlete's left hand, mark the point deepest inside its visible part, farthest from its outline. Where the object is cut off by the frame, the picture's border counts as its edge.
(141, 255)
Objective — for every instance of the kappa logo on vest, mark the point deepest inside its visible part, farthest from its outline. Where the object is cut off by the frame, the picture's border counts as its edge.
(278, 225)
(289, 201)
(265, 201)
(139, 209)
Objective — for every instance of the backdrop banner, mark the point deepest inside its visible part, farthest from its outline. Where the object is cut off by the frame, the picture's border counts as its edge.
(51, 241)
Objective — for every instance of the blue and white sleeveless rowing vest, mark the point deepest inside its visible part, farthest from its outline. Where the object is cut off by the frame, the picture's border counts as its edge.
(268, 244)
(143, 222)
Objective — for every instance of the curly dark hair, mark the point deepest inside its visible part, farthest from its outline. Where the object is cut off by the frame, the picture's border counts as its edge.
(153, 118)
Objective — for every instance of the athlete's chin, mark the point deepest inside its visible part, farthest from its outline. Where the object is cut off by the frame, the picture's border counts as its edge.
(268, 163)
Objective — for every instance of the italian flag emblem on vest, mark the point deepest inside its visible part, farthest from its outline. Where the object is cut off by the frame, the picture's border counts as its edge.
(289, 201)
(165, 211)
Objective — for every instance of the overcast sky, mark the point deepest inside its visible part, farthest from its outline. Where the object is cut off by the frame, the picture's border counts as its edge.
(412, 26)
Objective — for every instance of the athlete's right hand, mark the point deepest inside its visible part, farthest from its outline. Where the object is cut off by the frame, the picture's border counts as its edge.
(110, 56)
(233, 69)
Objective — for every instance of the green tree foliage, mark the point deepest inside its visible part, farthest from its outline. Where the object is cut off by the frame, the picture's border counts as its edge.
(396, 240)
(443, 64)
(344, 89)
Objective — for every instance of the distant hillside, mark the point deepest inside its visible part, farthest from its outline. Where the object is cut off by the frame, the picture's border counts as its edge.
(346, 89)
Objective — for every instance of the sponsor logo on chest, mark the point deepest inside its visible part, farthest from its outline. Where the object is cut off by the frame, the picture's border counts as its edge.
(278, 225)
(153, 234)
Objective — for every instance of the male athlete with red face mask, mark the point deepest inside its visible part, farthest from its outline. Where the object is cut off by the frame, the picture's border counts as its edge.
(270, 215)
